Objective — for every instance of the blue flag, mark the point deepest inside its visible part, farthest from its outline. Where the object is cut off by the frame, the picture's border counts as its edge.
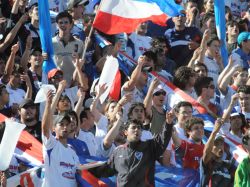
(220, 22)
(45, 34)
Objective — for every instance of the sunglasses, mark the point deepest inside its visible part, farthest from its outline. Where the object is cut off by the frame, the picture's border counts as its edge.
(63, 22)
(211, 86)
(57, 77)
(160, 93)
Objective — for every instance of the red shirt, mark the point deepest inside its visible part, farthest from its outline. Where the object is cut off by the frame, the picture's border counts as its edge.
(192, 154)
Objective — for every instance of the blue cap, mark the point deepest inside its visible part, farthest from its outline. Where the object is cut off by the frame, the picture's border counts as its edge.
(243, 36)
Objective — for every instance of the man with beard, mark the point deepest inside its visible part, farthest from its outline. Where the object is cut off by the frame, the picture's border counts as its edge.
(214, 170)
(60, 159)
(29, 117)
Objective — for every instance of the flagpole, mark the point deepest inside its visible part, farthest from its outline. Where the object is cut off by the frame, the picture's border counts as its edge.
(90, 33)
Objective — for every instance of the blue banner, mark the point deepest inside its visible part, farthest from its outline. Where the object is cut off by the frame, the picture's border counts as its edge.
(220, 22)
(45, 34)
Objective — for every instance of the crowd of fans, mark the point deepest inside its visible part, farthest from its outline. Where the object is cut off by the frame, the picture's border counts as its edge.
(145, 126)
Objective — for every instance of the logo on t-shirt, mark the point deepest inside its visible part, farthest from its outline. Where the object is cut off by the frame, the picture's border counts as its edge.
(68, 175)
(138, 155)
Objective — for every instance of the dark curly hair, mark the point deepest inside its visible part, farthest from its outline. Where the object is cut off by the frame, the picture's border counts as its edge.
(182, 76)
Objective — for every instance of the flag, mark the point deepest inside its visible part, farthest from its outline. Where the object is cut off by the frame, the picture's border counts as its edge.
(45, 34)
(220, 22)
(117, 16)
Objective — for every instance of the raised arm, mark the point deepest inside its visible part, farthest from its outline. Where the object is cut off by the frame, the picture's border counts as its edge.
(130, 85)
(12, 34)
(47, 116)
(60, 89)
(93, 108)
(10, 63)
(227, 78)
(228, 111)
(161, 140)
(207, 153)
(25, 78)
(26, 54)
(148, 99)
(113, 132)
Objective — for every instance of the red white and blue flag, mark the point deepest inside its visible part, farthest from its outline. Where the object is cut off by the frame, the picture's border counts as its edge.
(117, 16)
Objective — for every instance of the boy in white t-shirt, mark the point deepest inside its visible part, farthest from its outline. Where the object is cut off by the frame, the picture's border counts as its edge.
(60, 159)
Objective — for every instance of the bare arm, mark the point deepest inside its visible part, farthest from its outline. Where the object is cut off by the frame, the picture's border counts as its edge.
(47, 116)
(93, 108)
(83, 80)
(112, 133)
(26, 79)
(60, 89)
(26, 54)
(207, 153)
(130, 85)
(15, 7)
(148, 99)
(10, 62)
(176, 139)
(228, 111)
(12, 34)
(81, 97)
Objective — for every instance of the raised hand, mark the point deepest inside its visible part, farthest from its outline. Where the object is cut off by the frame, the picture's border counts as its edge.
(15, 48)
(101, 89)
(62, 85)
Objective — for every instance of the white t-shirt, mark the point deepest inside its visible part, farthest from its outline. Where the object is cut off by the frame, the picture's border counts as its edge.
(60, 163)
(226, 99)
(90, 140)
(141, 45)
(15, 96)
(101, 129)
(213, 69)
(181, 133)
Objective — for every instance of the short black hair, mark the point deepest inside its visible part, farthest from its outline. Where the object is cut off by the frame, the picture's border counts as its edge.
(244, 89)
(201, 65)
(134, 121)
(192, 121)
(201, 82)
(64, 14)
(151, 55)
(182, 104)
(211, 39)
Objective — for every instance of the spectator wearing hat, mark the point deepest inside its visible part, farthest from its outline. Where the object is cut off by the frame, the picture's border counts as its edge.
(35, 70)
(190, 151)
(76, 9)
(214, 170)
(60, 159)
(28, 111)
(241, 54)
(65, 45)
(242, 174)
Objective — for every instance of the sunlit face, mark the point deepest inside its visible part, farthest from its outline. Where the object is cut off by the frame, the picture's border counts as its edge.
(159, 98)
(28, 113)
(64, 25)
(62, 129)
(36, 59)
(185, 113)
(236, 123)
(73, 123)
(233, 30)
(64, 105)
(241, 78)
(133, 133)
(214, 48)
(138, 113)
(218, 149)
(244, 100)
(200, 71)
(197, 132)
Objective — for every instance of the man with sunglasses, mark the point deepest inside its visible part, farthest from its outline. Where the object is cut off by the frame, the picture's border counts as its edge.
(154, 104)
(183, 40)
(205, 89)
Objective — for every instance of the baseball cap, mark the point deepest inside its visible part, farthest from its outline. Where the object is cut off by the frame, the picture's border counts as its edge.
(35, 49)
(234, 114)
(59, 118)
(74, 3)
(53, 72)
(243, 36)
(26, 102)
(159, 87)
